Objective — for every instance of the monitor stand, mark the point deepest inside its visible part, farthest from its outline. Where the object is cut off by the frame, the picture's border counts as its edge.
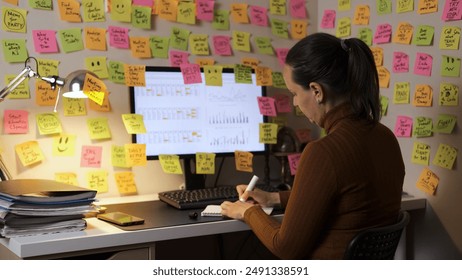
(192, 180)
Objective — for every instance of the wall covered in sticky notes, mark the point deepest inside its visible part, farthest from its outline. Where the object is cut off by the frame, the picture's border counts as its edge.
(87, 142)
(417, 49)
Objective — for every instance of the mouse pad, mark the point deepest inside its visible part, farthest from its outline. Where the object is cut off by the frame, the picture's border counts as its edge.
(158, 214)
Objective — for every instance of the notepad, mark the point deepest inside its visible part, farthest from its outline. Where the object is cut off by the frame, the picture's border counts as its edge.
(215, 211)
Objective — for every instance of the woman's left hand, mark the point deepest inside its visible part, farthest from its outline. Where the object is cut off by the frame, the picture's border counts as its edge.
(235, 210)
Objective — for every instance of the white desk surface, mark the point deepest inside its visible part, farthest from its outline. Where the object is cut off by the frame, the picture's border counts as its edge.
(100, 234)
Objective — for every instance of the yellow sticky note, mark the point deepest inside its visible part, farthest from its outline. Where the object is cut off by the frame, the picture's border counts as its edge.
(243, 161)
(44, 95)
(268, 133)
(168, 9)
(118, 158)
(428, 181)
(14, 19)
(29, 153)
(343, 27)
(213, 75)
(423, 96)
(401, 93)
(69, 10)
(48, 67)
(241, 41)
(98, 128)
(64, 145)
(450, 38)
(95, 38)
(134, 75)
(278, 7)
(445, 156)
(239, 12)
(67, 178)
(125, 182)
(135, 154)
(403, 33)
(121, 10)
(21, 92)
(93, 10)
(98, 181)
(140, 47)
(449, 95)
(205, 163)
(105, 107)
(362, 15)
(384, 77)
(421, 154)
(186, 13)
(170, 164)
(264, 76)
(199, 44)
(94, 88)
(48, 123)
(344, 5)
(134, 123)
(74, 106)
(97, 65)
(298, 29)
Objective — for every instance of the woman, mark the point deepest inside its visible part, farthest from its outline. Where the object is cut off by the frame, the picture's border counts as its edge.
(347, 181)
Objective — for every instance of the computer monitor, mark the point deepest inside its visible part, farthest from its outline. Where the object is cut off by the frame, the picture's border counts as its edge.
(184, 119)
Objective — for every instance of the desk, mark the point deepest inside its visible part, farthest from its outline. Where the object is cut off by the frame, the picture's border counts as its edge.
(101, 237)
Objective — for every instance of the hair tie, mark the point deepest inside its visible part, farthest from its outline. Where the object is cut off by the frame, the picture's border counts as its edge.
(344, 45)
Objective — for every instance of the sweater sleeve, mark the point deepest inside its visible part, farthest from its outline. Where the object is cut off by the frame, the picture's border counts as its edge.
(307, 211)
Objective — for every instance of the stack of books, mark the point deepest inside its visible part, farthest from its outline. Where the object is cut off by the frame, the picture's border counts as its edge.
(36, 206)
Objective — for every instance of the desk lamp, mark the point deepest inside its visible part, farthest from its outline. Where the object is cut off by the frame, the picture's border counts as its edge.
(74, 79)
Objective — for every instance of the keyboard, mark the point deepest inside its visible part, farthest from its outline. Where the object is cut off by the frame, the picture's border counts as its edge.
(200, 198)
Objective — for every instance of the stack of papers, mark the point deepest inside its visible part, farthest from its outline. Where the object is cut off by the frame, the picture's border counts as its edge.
(35, 206)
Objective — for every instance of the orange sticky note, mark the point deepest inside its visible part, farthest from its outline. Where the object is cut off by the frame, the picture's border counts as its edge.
(104, 107)
(403, 33)
(362, 15)
(69, 10)
(239, 12)
(298, 29)
(243, 161)
(135, 154)
(250, 61)
(377, 52)
(94, 88)
(168, 9)
(140, 47)
(44, 95)
(384, 77)
(134, 75)
(95, 38)
(264, 76)
(428, 181)
(423, 96)
(205, 61)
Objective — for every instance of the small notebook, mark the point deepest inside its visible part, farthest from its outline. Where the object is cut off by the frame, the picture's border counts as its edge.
(215, 210)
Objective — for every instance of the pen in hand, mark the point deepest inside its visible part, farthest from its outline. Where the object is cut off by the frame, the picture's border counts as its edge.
(250, 186)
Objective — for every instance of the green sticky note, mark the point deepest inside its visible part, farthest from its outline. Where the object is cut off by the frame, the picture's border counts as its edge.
(268, 133)
(450, 38)
(446, 123)
(343, 27)
(365, 34)
(121, 10)
(401, 93)
(199, 44)
(213, 75)
(71, 39)
(384, 101)
(344, 5)
(14, 19)
(383, 7)
(220, 19)
(278, 80)
(116, 72)
(15, 50)
(278, 7)
(41, 5)
(264, 45)
(159, 46)
(450, 66)
(186, 13)
(93, 11)
(242, 74)
(20, 92)
(279, 28)
(449, 95)
(423, 35)
(423, 127)
(420, 154)
(241, 41)
(404, 6)
(97, 65)
(141, 17)
(179, 38)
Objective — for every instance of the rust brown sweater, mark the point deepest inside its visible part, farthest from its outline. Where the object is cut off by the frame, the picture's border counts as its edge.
(347, 181)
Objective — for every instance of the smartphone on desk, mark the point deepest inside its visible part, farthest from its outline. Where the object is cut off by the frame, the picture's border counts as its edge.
(120, 218)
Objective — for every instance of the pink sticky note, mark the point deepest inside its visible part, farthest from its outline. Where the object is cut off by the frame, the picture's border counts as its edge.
(452, 10)
(328, 19)
(178, 57)
(281, 54)
(204, 9)
(146, 3)
(221, 45)
(118, 37)
(15, 122)
(45, 41)
(400, 62)
(283, 103)
(383, 34)
(423, 64)
(191, 73)
(294, 159)
(258, 15)
(403, 127)
(267, 106)
(297, 8)
(91, 156)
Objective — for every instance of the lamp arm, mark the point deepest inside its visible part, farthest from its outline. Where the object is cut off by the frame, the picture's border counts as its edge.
(27, 72)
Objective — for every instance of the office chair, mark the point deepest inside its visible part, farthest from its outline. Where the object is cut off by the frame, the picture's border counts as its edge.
(377, 243)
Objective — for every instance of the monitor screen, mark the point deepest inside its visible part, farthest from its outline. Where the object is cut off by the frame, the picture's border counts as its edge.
(184, 119)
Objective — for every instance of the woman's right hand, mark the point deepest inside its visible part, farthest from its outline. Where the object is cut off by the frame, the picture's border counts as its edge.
(265, 199)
